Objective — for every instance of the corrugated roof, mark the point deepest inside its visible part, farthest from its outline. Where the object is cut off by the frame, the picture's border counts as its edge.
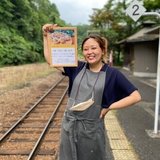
(141, 35)
(154, 30)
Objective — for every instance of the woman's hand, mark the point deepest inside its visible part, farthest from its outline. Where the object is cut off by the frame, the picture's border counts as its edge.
(47, 27)
(104, 111)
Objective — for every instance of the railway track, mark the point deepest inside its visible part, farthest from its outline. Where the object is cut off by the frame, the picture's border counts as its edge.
(36, 134)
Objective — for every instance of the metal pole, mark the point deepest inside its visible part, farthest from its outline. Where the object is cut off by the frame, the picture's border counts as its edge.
(151, 14)
(157, 91)
(158, 78)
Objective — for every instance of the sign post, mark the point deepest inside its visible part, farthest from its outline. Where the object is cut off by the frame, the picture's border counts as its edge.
(135, 11)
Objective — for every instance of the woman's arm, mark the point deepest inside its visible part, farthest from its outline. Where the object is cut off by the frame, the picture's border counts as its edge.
(45, 29)
(133, 98)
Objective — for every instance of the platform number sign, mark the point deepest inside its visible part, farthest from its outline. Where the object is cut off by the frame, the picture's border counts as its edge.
(135, 10)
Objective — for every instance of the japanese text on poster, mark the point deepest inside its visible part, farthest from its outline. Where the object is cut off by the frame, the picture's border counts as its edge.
(62, 45)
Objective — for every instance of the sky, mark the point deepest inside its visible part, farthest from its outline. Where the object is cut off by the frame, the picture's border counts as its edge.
(77, 11)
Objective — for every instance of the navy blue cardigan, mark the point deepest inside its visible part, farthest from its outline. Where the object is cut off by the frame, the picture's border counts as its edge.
(117, 86)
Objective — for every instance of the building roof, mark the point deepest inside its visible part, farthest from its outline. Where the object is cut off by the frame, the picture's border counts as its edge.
(154, 30)
(145, 34)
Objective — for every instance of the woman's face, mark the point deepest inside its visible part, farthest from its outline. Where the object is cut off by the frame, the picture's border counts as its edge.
(92, 51)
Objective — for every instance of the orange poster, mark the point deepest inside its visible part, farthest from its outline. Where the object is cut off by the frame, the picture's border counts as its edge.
(62, 45)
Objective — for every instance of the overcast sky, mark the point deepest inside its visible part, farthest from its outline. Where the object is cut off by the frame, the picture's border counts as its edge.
(77, 11)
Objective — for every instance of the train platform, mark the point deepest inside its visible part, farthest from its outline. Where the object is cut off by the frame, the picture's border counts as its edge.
(127, 136)
(120, 147)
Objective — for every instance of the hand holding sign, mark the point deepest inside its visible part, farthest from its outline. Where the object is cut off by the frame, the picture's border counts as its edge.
(60, 45)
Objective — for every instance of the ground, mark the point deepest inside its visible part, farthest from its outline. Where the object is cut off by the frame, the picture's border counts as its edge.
(20, 87)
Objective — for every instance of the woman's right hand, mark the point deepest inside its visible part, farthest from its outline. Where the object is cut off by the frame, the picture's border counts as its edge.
(104, 111)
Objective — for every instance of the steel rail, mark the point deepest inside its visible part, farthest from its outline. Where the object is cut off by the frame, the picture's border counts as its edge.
(29, 111)
(35, 148)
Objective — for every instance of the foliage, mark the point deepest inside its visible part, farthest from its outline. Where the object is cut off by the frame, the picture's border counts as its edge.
(152, 5)
(15, 49)
(82, 33)
(21, 34)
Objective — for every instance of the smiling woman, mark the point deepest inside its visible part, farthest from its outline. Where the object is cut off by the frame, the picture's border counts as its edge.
(95, 50)
(95, 88)
(77, 13)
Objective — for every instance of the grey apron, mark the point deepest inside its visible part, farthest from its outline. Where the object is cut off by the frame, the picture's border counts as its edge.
(83, 132)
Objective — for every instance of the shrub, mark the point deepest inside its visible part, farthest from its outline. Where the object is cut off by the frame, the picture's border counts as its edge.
(15, 50)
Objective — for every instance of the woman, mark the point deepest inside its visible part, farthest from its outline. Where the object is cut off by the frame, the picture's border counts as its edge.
(94, 89)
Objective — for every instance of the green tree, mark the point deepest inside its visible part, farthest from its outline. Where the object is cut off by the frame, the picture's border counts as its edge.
(152, 5)
(113, 23)
(21, 24)
(6, 14)
(82, 33)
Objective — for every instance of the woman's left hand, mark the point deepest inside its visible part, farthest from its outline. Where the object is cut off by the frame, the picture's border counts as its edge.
(104, 111)
(46, 28)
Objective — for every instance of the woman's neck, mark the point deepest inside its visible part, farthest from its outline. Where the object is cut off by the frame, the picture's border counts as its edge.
(95, 67)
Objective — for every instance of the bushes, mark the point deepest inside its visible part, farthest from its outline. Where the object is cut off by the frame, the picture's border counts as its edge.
(21, 24)
(15, 50)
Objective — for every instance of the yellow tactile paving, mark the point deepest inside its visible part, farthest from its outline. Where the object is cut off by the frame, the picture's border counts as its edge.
(116, 134)
(120, 144)
(124, 155)
(121, 147)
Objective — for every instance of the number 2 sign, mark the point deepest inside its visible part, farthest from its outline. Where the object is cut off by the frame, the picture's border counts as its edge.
(135, 10)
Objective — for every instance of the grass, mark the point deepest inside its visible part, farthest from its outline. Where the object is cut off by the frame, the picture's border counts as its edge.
(20, 76)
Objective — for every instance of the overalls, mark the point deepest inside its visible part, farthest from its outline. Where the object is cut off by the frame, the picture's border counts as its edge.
(83, 132)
